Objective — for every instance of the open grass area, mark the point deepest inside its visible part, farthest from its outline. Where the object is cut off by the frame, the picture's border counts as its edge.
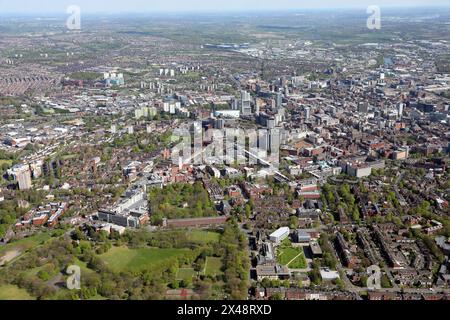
(12, 292)
(185, 274)
(123, 258)
(291, 257)
(298, 263)
(203, 236)
(213, 266)
(25, 244)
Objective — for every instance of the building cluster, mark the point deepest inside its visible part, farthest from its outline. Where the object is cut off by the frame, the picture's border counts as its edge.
(47, 215)
(131, 211)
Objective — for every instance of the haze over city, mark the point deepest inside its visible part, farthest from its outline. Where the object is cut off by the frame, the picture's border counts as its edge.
(141, 6)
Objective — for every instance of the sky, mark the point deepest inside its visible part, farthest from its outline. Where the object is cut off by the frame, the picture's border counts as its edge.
(116, 6)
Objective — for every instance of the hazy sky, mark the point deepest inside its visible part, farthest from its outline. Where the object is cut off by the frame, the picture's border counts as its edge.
(106, 6)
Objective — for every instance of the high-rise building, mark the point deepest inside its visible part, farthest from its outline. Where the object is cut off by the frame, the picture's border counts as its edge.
(21, 174)
(24, 179)
(246, 103)
(274, 140)
(400, 109)
(307, 113)
(279, 100)
(234, 104)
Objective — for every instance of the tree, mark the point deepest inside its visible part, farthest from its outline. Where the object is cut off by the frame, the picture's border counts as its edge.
(175, 284)
(276, 296)
(385, 282)
(248, 210)
(186, 283)
(340, 284)
(356, 215)
(293, 222)
(43, 275)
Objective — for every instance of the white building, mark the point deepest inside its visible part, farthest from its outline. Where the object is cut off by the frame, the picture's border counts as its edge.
(246, 103)
(278, 236)
(227, 113)
(329, 275)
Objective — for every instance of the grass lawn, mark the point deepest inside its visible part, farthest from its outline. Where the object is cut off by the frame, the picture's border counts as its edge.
(185, 274)
(298, 263)
(203, 236)
(123, 258)
(26, 243)
(287, 257)
(11, 292)
(213, 266)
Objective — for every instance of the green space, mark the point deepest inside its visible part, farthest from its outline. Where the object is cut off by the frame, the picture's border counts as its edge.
(12, 292)
(151, 261)
(291, 257)
(298, 263)
(26, 243)
(213, 266)
(178, 201)
(5, 163)
(203, 236)
(83, 267)
(185, 274)
(43, 111)
(85, 76)
(123, 258)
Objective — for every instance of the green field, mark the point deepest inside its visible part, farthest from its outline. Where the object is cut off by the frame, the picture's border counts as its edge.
(11, 292)
(213, 266)
(291, 257)
(85, 75)
(123, 258)
(26, 243)
(203, 236)
(185, 274)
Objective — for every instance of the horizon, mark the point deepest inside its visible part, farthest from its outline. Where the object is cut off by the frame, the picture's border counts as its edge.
(362, 10)
(136, 7)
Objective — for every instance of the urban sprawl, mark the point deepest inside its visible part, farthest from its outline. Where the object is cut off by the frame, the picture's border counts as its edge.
(343, 196)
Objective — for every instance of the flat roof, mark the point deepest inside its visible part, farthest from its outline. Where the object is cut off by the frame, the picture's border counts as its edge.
(280, 232)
